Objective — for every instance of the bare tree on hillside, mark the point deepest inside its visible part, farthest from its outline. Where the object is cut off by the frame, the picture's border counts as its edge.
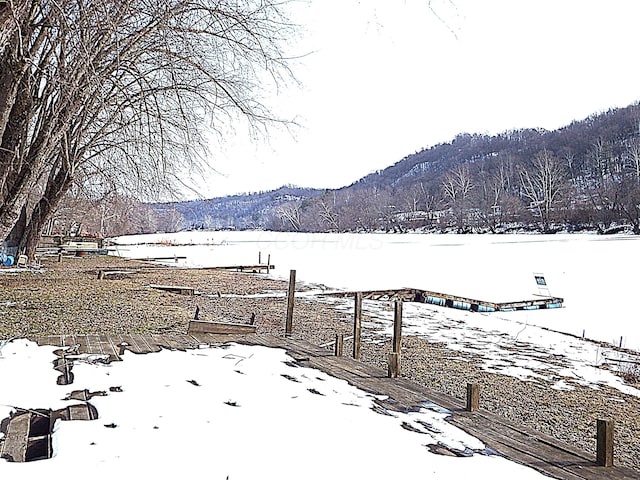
(457, 186)
(544, 184)
(327, 212)
(289, 215)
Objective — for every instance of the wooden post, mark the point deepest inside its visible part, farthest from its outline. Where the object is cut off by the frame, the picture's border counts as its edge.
(259, 258)
(394, 357)
(268, 263)
(394, 365)
(290, 300)
(196, 316)
(338, 345)
(473, 397)
(101, 275)
(604, 449)
(397, 326)
(357, 325)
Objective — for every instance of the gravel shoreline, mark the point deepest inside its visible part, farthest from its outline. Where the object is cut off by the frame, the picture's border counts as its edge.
(67, 298)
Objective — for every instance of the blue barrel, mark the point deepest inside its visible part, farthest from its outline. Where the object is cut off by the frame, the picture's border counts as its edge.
(8, 261)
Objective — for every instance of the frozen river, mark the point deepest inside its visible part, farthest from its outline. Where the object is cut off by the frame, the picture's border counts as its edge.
(596, 275)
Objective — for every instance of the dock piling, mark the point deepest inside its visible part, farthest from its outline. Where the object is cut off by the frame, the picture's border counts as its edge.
(290, 301)
(397, 326)
(394, 356)
(604, 449)
(338, 345)
(357, 325)
(394, 365)
(473, 397)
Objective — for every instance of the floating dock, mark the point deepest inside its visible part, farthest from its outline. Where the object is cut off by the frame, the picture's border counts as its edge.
(454, 301)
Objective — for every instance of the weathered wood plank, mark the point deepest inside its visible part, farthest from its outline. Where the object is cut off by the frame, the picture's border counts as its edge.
(145, 344)
(198, 326)
(348, 367)
(244, 268)
(550, 455)
(52, 340)
(162, 341)
(94, 344)
(82, 342)
(132, 343)
(180, 290)
(81, 411)
(14, 446)
(109, 348)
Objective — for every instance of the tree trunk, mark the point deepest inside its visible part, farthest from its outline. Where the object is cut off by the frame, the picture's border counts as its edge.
(12, 54)
(14, 237)
(16, 175)
(56, 188)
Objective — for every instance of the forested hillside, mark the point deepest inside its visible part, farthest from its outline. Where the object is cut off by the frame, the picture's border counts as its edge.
(583, 176)
(239, 212)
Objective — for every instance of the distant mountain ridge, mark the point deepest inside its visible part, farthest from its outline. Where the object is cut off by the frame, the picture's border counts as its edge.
(237, 212)
(475, 182)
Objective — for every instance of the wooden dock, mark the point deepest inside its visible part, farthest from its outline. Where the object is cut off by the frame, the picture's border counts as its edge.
(244, 268)
(523, 445)
(453, 301)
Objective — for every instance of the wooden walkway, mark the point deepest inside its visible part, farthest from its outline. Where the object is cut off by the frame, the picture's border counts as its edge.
(541, 452)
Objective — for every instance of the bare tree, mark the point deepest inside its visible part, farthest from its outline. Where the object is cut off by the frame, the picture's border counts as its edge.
(327, 212)
(289, 215)
(123, 90)
(633, 153)
(543, 184)
(457, 186)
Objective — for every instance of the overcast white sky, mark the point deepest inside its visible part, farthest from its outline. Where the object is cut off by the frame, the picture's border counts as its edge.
(389, 77)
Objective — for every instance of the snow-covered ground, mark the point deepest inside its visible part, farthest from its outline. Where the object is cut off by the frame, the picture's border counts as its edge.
(231, 412)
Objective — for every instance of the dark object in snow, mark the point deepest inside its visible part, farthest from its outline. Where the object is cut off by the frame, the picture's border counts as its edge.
(231, 403)
(440, 449)
(84, 395)
(289, 377)
(111, 425)
(115, 389)
(315, 392)
(193, 382)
